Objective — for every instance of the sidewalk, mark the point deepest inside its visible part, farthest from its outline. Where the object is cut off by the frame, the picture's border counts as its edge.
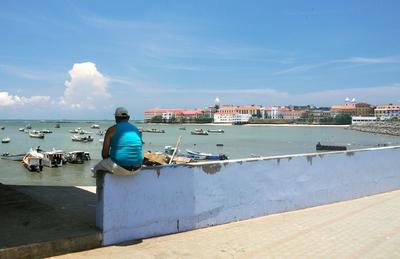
(364, 228)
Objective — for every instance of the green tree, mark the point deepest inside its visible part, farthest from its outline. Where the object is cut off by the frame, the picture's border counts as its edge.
(343, 119)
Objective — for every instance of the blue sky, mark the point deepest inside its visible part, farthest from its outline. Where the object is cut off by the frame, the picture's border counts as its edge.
(81, 59)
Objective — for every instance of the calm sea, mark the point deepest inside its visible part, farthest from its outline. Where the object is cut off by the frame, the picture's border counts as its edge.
(238, 142)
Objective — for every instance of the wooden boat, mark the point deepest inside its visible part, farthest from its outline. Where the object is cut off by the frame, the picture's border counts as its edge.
(205, 156)
(33, 161)
(320, 147)
(82, 139)
(5, 140)
(199, 132)
(215, 131)
(36, 134)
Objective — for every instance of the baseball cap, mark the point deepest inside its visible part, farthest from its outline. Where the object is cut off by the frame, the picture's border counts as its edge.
(121, 112)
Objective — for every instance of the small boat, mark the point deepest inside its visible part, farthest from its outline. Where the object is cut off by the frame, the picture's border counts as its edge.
(199, 132)
(320, 147)
(215, 131)
(36, 134)
(54, 158)
(29, 126)
(21, 129)
(95, 126)
(33, 161)
(5, 140)
(204, 156)
(77, 157)
(46, 131)
(3, 128)
(182, 128)
(77, 130)
(57, 126)
(82, 139)
(153, 130)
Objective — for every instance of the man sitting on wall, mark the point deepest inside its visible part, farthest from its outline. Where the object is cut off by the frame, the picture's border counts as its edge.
(122, 147)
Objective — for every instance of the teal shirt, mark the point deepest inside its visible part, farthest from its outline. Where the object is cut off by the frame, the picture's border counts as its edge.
(126, 145)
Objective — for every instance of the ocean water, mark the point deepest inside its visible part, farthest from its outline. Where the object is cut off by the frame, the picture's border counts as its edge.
(238, 142)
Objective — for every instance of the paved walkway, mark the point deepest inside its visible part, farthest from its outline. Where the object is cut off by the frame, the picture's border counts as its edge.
(362, 228)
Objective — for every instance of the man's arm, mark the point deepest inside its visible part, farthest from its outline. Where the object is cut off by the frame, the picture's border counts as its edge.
(105, 153)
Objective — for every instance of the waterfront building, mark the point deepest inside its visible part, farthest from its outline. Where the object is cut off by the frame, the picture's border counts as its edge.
(320, 113)
(169, 114)
(359, 120)
(253, 110)
(348, 109)
(273, 112)
(387, 111)
(289, 114)
(231, 117)
(364, 109)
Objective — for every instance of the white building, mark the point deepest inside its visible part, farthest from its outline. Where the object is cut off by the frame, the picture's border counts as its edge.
(231, 117)
(359, 120)
(274, 113)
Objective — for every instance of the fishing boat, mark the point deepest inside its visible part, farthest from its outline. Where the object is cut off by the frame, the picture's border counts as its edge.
(215, 131)
(95, 126)
(46, 131)
(77, 138)
(54, 158)
(320, 147)
(205, 156)
(36, 134)
(75, 157)
(199, 132)
(33, 161)
(5, 140)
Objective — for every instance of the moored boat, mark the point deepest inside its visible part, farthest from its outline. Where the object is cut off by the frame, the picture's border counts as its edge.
(33, 161)
(28, 126)
(199, 132)
(54, 158)
(3, 128)
(36, 134)
(5, 140)
(95, 126)
(205, 156)
(82, 139)
(21, 129)
(215, 131)
(46, 131)
(153, 130)
(320, 147)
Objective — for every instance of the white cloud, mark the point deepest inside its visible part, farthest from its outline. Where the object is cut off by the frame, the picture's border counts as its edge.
(87, 87)
(11, 100)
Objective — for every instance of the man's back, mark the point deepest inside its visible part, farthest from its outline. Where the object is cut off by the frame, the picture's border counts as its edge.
(126, 145)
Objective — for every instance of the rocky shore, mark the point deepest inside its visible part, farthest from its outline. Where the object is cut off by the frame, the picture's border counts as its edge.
(392, 128)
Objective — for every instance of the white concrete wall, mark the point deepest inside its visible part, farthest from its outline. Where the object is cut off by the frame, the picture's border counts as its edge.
(171, 199)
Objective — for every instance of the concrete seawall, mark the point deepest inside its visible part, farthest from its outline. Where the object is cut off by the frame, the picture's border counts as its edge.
(163, 200)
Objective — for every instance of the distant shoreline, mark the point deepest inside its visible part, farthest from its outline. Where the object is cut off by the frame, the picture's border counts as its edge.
(253, 125)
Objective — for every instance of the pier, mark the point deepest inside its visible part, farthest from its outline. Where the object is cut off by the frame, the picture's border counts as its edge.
(250, 207)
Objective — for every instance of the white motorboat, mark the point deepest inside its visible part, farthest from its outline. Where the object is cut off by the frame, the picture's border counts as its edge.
(215, 131)
(33, 161)
(46, 131)
(29, 126)
(5, 140)
(36, 134)
(77, 130)
(21, 129)
(77, 157)
(199, 132)
(54, 158)
(95, 126)
(77, 138)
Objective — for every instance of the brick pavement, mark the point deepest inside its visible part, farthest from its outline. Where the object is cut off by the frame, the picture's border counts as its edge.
(363, 228)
